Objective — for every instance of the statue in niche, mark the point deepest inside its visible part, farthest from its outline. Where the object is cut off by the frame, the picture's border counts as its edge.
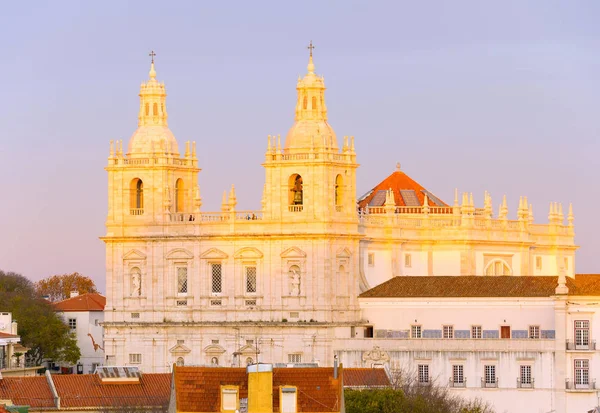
(294, 274)
(297, 190)
(136, 283)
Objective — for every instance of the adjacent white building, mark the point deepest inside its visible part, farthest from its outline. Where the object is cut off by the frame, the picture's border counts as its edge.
(84, 315)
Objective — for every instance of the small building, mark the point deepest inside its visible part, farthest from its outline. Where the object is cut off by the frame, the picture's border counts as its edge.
(12, 353)
(84, 314)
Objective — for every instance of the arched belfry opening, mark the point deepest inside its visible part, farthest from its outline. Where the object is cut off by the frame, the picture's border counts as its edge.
(339, 191)
(136, 197)
(179, 196)
(296, 195)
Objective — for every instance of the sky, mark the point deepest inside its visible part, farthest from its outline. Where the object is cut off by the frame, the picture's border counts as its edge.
(502, 97)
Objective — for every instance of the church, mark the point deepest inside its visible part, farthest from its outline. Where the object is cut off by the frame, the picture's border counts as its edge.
(396, 278)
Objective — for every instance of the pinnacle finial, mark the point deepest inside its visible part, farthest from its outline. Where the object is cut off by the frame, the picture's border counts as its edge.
(311, 65)
(152, 71)
(398, 166)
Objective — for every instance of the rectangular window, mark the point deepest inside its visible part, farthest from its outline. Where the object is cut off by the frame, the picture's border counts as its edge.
(371, 259)
(182, 280)
(251, 280)
(135, 358)
(216, 278)
(525, 375)
(249, 342)
(216, 303)
(423, 373)
(538, 263)
(582, 333)
(295, 358)
(214, 341)
(458, 374)
(135, 315)
(476, 332)
(490, 374)
(534, 331)
(229, 399)
(180, 342)
(369, 332)
(448, 332)
(96, 322)
(582, 372)
(407, 260)
(73, 324)
(415, 332)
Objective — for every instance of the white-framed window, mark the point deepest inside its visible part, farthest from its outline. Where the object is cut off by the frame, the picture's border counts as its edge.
(448, 331)
(295, 358)
(423, 370)
(498, 267)
(525, 374)
(458, 374)
(73, 324)
(251, 280)
(490, 374)
(476, 332)
(538, 263)
(135, 358)
(534, 331)
(582, 332)
(182, 280)
(371, 259)
(216, 278)
(582, 372)
(415, 331)
(407, 260)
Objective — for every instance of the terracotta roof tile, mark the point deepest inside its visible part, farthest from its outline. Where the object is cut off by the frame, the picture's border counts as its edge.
(198, 388)
(397, 181)
(87, 390)
(483, 286)
(83, 302)
(6, 335)
(2, 409)
(365, 377)
(32, 391)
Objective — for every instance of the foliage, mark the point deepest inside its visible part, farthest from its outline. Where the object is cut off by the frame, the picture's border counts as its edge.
(59, 287)
(40, 327)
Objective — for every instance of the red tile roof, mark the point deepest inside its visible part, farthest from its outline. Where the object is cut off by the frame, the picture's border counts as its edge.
(2, 409)
(32, 391)
(6, 335)
(83, 302)
(397, 181)
(483, 286)
(197, 388)
(365, 377)
(87, 390)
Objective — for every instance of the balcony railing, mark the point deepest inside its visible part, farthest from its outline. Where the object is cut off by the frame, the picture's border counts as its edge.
(489, 383)
(295, 208)
(136, 211)
(13, 364)
(527, 384)
(572, 385)
(459, 384)
(581, 345)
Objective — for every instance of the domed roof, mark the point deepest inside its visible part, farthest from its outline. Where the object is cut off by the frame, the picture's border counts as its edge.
(306, 134)
(153, 139)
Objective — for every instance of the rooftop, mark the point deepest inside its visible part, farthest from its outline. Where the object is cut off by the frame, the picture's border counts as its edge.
(483, 286)
(83, 302)
(366, 378)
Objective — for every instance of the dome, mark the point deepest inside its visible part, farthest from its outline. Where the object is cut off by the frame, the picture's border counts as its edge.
(153, 139)
(306, 134)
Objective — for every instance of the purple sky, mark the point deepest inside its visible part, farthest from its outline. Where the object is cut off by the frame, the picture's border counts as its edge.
(502, 97)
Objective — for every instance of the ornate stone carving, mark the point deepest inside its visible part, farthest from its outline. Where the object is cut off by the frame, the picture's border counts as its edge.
(375, 356)
(294, 275)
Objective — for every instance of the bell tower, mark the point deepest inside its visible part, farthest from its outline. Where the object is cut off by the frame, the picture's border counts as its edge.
(309, 178)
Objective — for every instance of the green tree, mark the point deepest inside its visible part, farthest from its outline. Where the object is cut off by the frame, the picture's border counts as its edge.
(40, 327)
(59, 287)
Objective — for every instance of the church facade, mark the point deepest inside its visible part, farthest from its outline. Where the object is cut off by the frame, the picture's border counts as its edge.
(282, 284)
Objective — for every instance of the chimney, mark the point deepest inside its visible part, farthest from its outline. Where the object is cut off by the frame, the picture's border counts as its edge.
(335, 367)
(260, 388)
(74, 294)
(13, 328)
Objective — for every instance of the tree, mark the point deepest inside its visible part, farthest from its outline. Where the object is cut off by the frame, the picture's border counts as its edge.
(59, 287)
(40, 327)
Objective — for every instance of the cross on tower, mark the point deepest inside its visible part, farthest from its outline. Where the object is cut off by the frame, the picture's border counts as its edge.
(310, 47)
(152, 54)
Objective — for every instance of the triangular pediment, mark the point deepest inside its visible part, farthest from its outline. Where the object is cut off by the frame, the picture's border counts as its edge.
(343, 253)
(293, 252)
(248, 252)
(248, 349)
(134, 255)
(179, 349)
(214, 253)
(180, 254)
(214, 349)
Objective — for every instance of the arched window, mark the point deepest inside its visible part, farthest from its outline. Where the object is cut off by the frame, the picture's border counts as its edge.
(249, 361)
(296, 197)
(305, 103)
(339, 200)
(498, 267)
(314, 103)
(136, 197)
(180, 361)
(179, 196)
(155, 109)
(136, 282)
(147, 109)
